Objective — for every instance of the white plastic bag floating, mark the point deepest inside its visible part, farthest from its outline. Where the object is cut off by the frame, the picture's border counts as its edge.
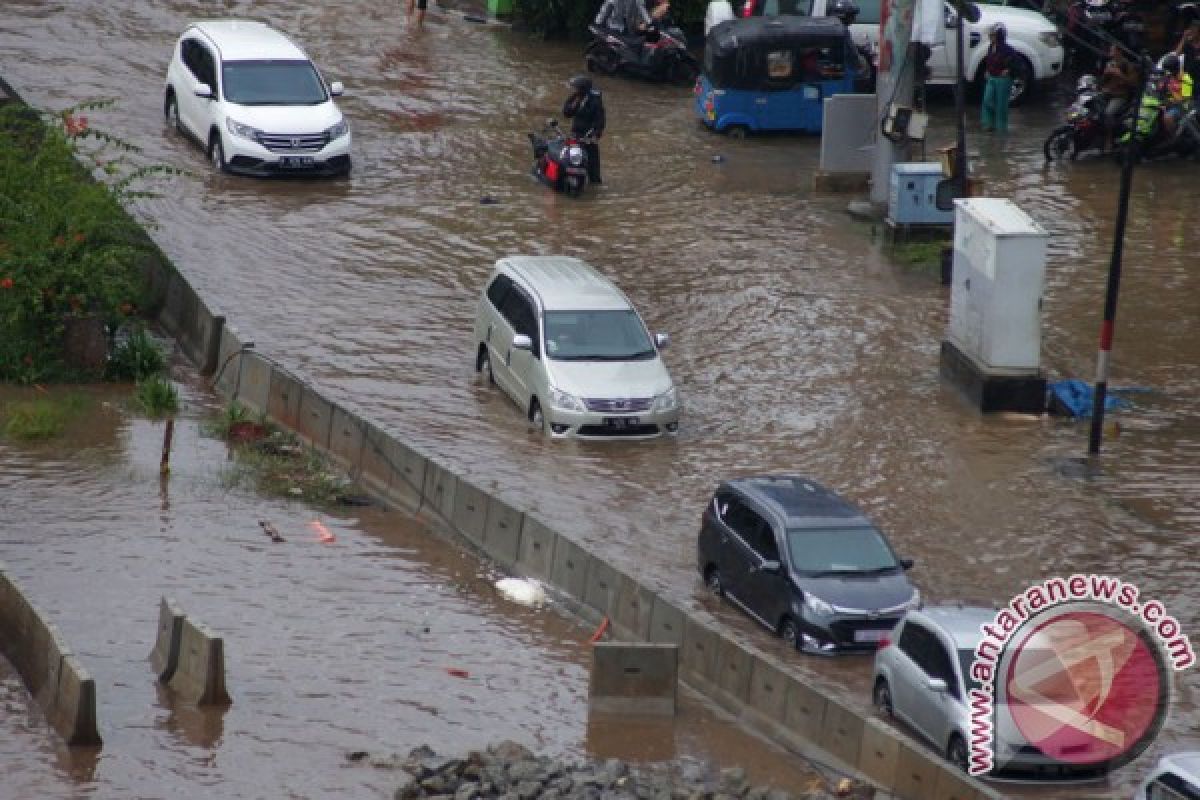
(522, 591)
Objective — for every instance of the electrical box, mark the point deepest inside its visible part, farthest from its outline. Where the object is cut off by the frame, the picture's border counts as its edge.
(912, 195)
(998, 278)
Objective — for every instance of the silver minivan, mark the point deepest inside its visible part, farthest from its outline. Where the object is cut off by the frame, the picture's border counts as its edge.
(567, 345)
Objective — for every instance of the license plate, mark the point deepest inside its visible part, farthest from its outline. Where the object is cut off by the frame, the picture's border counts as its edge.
(620, 423)
(869, 635)
(296, 162)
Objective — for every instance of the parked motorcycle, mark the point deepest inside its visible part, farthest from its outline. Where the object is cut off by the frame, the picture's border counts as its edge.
(559, 159)
(659, 55)
(1084, 128)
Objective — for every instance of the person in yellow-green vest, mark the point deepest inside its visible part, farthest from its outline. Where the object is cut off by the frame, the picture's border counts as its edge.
(1178, 93)
(1149, 110)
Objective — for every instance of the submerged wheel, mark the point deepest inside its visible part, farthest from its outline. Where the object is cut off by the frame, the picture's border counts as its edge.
(216, 154)
(882, 697)
(737, 131)
(789, 633)
(171, 112)
(483, 365)
(1022, 82)
(537, 420)
(712, 582)
(1060, 144)
(956, 752)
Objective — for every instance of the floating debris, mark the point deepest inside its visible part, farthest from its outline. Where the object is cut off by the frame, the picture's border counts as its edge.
(522, 591)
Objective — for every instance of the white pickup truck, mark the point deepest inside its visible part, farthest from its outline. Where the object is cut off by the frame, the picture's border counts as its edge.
(1033, 36)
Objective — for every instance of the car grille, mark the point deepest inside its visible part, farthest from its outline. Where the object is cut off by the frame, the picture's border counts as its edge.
(603, 431)
(618, 405)
(293, 142)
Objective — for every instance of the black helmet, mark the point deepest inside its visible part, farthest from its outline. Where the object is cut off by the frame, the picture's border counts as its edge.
(1170, 64)
(580, 83)
(845, 10)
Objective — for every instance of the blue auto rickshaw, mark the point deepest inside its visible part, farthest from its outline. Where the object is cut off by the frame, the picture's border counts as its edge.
(773, 73)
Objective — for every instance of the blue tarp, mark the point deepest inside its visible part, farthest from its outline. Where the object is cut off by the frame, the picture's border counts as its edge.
(1073, 398)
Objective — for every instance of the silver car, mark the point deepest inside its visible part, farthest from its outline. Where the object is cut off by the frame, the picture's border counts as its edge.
(569, 348)
(1174, 777)
(922, 678)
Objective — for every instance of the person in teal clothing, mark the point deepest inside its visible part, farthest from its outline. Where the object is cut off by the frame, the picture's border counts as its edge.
(999, 66)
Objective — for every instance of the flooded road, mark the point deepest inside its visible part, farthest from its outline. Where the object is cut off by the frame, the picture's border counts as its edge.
(798, 345)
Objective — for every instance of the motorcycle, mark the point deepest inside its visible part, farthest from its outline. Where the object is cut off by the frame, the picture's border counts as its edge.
(1147, 136)
(1084, 128)
(1094, 25)
(659, 55)
(560, 160)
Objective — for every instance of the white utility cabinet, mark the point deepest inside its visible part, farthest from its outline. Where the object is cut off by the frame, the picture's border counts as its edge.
(999, 275)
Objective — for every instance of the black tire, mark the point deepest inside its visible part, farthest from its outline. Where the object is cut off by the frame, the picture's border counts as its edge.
(171, 112)
(881, 696)
(712, 582)
(574, 187)
(956, 752)
(1060, 144)
(738, 132)
(216, 154)
(1023, 83)
(483, 365)
(790, 633)
(537, 420)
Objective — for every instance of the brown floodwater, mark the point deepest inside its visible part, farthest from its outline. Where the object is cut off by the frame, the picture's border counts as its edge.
(799, 345)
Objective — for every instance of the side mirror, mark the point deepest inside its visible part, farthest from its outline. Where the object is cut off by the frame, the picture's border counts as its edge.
(907, 563)
(336, 89)
(661, 340)
(522, 342)
(202, 90)
(937, 685)
(769, 566)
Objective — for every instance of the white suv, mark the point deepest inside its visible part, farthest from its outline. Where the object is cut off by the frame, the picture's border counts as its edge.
(569, 348)
(1033, 36)
(255, 102)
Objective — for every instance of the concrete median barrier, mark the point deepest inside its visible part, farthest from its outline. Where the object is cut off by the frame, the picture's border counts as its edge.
(502, 532)
(315, 419)
(570, 569)
(470, 511)
(916, 772)
(632, 609)
(879, 752)
(252, 381)
(164, 658)
(57, 648)
(439, 489)
(633, 678)
(666, 622)
(768, 690)
(73, 713)
(953, 784)
(392, 469)
(733, 669)
(346, 440)
(283, 399)
(535, 557)
(805, 709)
(698, 659)
(600, 593)
(200, 675)
(842, 732)
(200, 335)
(177, 296)
(228, 351)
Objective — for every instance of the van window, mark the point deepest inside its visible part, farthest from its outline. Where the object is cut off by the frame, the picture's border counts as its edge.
(499, 290)
(518, 310)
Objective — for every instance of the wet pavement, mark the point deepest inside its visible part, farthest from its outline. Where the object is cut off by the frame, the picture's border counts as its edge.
(798, 344)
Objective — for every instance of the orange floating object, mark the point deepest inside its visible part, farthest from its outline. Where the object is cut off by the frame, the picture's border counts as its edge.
(324, 535)
(458, 673)
(599, 631)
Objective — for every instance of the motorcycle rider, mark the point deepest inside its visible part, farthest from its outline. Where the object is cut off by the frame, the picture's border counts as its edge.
(585, 109)
(1119, 85)
(625, 19)
(1178, 93)
(847, 12)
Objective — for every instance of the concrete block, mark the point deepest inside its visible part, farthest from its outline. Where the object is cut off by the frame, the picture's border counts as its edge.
(666, 622)
(225, 379)
(734, 664)
(502, 532)
(74, 711)
(633, 678)
(38, 651)
(768, 689)
(252, 381)
(200, 675)
(805, 709)
(954, 784)
(346, 439)
(852, 116)
(535, 557)
(699, 656)
(156, 277)
(375, 464)
(176, 299)
(55, 647)
(879, 752)
(283, 399)
(917, 772)
(200, 337)
(470, 511)
(600, 592)
(991, 391)
(391, 468)
(632, 609)
(164, 658)
(842, 733)
(26, 629)
(440, 487)
(570, 569)
(315, 419)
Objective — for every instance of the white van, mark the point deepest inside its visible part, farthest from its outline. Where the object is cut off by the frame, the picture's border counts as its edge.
(569, 348)
(1031, 34)
(1174, 777)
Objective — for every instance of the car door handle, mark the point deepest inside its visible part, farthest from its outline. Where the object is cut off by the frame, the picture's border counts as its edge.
(508, 358)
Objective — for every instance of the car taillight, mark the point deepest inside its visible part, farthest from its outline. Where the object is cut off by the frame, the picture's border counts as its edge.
(748, 8)
(885, 642)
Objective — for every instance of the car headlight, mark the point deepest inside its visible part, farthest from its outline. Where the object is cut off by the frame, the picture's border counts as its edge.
(914, 602)
(567, 402)
(816, 605)
(1049, 38)
(667, 400)
(575, 155)
(244, 131)
(339, 130)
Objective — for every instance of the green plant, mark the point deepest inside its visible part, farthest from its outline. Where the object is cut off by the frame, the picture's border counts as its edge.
(157, 396)
(136, 358)
(919, 254)
(43, 418)
(234, 418)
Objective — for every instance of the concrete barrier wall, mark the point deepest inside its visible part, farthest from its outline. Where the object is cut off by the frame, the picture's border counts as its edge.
(164, 658)
(633, 678)
(199, 676)
(55, 678)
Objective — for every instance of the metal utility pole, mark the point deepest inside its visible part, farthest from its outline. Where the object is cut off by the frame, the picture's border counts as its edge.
(960, 106)
(893, 84)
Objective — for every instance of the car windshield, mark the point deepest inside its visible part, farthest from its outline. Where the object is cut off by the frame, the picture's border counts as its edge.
(596, 336)
(836, 551)
(273, 83)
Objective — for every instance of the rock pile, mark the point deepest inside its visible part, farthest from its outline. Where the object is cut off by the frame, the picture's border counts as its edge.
(510, 771)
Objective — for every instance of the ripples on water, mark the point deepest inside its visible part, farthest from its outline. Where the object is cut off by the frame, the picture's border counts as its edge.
(799, 347)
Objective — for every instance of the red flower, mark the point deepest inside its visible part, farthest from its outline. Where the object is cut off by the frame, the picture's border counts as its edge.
(78, 238)
(7, 283)
(76, 126)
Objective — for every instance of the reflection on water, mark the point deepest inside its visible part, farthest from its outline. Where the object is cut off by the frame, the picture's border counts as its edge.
(797, 344)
